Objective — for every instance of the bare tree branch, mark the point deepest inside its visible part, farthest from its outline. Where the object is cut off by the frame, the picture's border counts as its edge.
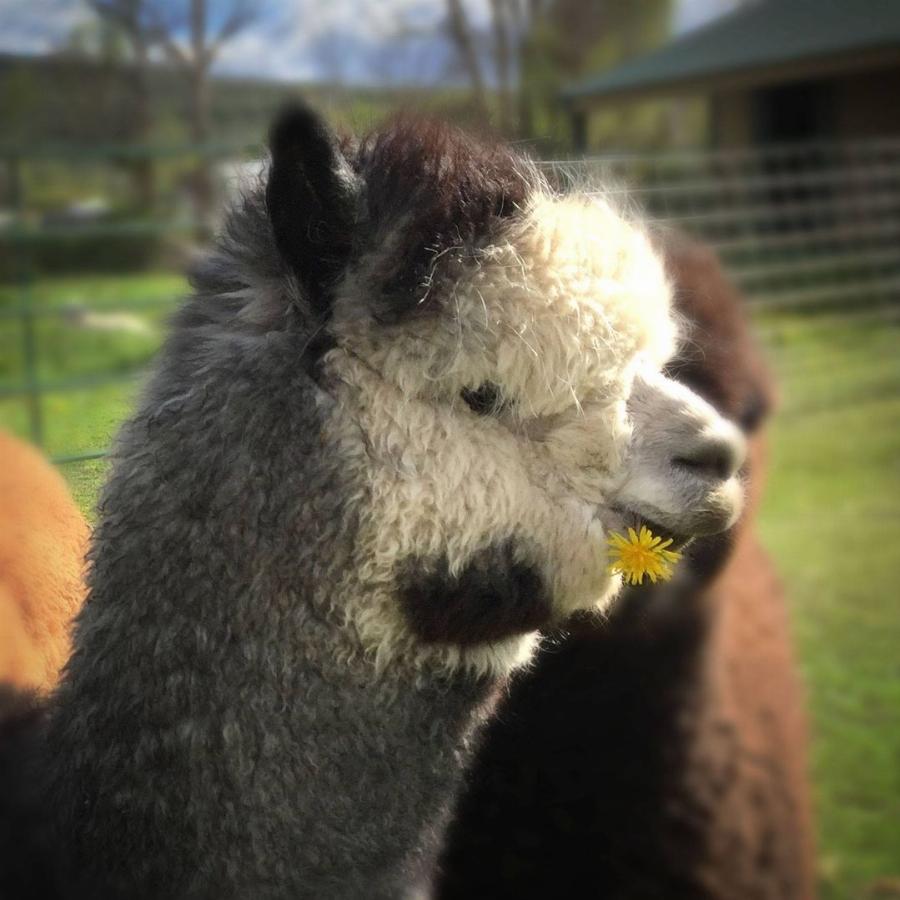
(501, 20)
(460, 32)
(241, 16)
(174, 51)
(129, 17)
(182, 30)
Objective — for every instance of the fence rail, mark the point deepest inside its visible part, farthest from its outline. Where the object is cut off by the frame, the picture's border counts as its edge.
(803, 226)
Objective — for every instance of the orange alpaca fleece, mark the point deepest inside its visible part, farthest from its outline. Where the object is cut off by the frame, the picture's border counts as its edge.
(43, 539)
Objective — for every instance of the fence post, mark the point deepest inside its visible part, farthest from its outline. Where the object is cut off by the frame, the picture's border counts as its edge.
(26, 309)
(35, 411)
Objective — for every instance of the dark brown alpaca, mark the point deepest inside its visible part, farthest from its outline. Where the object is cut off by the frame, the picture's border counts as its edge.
(660, 753)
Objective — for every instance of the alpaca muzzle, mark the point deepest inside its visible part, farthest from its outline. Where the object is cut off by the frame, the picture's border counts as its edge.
(683, 464)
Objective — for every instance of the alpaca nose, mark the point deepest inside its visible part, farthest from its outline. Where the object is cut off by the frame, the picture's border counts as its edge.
(717, 455)
(680, 471)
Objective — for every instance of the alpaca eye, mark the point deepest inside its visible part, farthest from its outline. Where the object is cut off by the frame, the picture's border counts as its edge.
(485, 400)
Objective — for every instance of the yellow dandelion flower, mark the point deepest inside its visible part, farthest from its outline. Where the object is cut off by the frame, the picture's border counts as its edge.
(642, 554)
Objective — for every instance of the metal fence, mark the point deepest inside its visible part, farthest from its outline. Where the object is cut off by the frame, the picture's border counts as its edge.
(24, 230)
(799, 226)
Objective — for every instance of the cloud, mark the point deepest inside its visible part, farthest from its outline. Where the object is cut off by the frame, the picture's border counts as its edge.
(353, 41)
(39, 26)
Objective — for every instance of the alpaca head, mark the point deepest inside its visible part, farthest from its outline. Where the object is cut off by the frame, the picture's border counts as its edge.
(491, 354)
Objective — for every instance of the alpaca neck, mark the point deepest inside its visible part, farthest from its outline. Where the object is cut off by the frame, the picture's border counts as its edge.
(338, 782)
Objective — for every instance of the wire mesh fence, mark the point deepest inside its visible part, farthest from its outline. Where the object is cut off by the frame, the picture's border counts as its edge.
(798, 224)
(81, 237)
(808, 226)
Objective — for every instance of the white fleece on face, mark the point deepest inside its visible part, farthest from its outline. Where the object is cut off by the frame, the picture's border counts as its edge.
(557, 314)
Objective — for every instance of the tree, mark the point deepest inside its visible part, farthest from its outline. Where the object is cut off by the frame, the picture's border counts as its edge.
(461, 35)
(194, 57)
(191, 37)
(505, 43)
(513, 23)
(132, 20)
(536, 46)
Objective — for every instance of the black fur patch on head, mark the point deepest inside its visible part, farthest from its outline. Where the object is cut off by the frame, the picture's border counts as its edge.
(431, 191)
(495, 596)
(311, 198)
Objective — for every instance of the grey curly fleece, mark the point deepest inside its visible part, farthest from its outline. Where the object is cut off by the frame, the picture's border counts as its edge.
(211, 738)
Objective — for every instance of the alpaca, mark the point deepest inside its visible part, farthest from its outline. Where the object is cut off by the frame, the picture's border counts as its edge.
(43, 539)
(661, 753)
(384, 445)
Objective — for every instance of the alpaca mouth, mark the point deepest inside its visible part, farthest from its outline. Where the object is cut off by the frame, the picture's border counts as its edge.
(632, 518)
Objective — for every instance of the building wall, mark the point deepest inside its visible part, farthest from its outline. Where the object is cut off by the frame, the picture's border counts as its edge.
(856, 105)
(732, 118)
(642, 125)
(867, 104)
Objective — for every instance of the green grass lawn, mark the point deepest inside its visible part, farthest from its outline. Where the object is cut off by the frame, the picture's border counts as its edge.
(83, 420)
(831, 518)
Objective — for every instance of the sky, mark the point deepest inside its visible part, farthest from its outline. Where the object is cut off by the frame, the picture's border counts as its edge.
(353, 41)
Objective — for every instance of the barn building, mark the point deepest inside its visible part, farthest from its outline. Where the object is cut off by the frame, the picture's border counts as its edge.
(772, 71)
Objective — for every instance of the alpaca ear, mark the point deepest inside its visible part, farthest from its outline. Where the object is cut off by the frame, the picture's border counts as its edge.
(311, 198)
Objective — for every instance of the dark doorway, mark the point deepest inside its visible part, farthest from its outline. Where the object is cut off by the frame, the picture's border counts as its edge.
(794, 112)
(795, 122)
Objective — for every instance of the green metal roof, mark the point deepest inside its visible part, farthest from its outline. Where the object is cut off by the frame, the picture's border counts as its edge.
(760, 35)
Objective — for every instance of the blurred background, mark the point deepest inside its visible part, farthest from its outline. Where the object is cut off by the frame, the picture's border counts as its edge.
(769, 129)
